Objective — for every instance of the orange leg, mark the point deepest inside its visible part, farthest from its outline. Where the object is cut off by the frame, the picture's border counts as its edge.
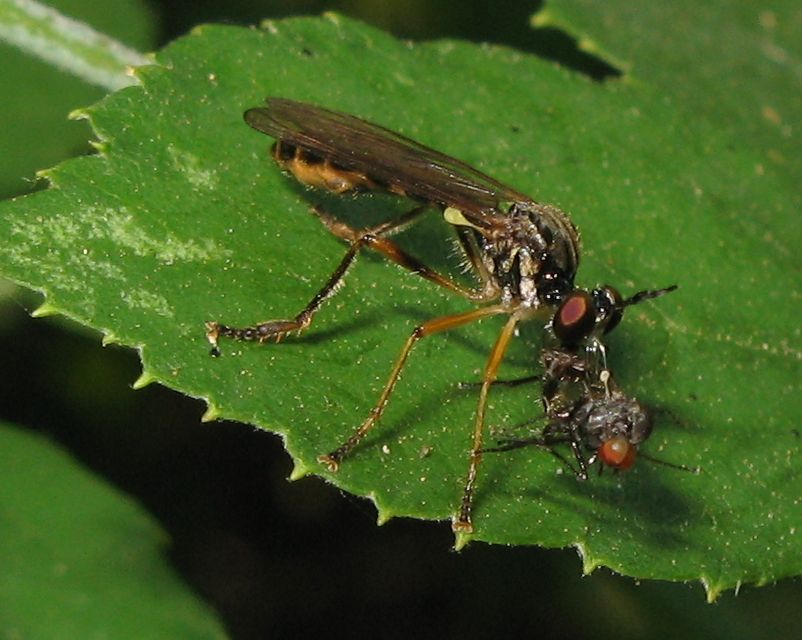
(462, 523)
(374, 238)
(332, 460)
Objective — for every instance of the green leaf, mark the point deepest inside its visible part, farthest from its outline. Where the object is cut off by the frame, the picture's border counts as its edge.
(79, 559)
(182, 219)
(737, 62)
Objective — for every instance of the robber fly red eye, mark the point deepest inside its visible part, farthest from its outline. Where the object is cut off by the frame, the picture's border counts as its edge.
(575, 318)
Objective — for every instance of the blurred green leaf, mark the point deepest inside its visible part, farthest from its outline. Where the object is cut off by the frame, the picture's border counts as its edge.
(734, 65)
(79, 559)
(34, 130)
(182, 219)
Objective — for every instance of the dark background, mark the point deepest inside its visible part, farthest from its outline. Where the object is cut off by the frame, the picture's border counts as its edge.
(280, 559)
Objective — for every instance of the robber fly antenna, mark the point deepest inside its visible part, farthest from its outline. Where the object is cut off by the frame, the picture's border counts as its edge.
(649, 294)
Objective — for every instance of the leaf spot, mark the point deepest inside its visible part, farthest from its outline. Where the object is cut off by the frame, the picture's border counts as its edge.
(191, 167)
(148, 301)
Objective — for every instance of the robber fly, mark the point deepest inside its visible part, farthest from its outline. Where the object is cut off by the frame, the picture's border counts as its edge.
(524, 254)
(587, 410)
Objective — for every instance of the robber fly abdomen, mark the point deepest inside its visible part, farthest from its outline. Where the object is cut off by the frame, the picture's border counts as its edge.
(524, 254)
(314, 170)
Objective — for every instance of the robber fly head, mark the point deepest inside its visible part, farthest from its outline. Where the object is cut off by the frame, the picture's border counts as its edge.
(583, 314)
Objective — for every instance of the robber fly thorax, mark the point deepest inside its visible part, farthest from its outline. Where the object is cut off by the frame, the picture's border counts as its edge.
(524, 254)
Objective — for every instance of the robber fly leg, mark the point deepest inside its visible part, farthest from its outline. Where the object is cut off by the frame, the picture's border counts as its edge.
(374, 238)
(383, 229)
(462, 521)
(277, 329)
(332, 460)
(511, 382)
(377, 238)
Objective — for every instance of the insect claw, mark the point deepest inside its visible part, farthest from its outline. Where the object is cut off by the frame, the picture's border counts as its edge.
(212, 331)
(212, 334)
(330, 461)
(458, 525)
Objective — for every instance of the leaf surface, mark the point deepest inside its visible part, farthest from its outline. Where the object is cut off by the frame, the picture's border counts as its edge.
(181, 218)
(79, 559)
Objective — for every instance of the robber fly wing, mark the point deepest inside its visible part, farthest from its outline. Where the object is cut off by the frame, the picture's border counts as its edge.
(386, 157)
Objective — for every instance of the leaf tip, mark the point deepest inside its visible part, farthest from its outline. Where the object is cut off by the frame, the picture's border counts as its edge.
(110, 338)
(461, 540)
(383, 515)
(713, 589)
(299, 471)
(589, 563)
(143, 381)
(211, 414)
(44, 310)
(82, 113)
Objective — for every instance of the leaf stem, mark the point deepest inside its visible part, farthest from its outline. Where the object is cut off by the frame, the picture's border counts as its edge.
(68, 44)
